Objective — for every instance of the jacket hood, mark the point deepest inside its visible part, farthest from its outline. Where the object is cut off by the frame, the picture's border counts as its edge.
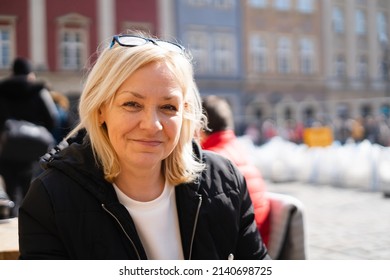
(75, 158)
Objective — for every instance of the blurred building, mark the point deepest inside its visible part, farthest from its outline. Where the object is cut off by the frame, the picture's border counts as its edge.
(283, 55)
(356, 44)
(300, 60)
(61, 37)
(212, 30)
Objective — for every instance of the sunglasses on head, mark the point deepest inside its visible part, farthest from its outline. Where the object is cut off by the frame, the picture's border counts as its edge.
(135, 41)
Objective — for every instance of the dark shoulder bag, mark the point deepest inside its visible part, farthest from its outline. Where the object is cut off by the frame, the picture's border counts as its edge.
(24, 141)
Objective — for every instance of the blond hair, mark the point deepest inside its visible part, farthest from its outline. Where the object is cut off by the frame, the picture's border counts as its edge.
(113, 66)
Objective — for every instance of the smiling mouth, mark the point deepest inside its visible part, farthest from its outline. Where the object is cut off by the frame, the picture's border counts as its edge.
(150, 143)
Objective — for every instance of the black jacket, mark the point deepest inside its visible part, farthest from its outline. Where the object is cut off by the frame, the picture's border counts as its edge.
(72, 212)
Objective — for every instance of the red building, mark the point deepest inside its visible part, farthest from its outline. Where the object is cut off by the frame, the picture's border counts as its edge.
(61, 37)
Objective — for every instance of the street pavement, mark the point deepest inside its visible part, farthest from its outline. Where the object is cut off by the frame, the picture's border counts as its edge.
(342, 223)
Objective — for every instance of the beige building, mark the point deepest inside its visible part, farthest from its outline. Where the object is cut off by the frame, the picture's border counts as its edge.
(315, 60)
(283, 58)
(355, 40)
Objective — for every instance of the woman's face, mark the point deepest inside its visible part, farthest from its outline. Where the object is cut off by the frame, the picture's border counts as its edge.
(145, 118)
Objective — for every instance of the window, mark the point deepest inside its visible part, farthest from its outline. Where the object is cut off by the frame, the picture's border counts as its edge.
(340, 67)
(385, 67)
(306, 6)
(224, 4)
(306, 50)
(199, 3)
(360, 21)
(5, 48)
(381, 26)
(283, 5)
(283, 55)
(199, 44)
(258, 54)
(362, 67)
(338, 20)
(258, 3)
(213, 52)
(7, 43)
(72, 49)
(225, 62)
(73, 38)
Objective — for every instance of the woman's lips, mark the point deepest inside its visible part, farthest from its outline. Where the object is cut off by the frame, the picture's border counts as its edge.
(151, 143)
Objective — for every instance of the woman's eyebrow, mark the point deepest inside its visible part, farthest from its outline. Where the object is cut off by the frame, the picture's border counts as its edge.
(168, 97)
(135, 94)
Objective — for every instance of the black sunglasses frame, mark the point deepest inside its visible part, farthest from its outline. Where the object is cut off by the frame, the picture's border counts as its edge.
(116, 39)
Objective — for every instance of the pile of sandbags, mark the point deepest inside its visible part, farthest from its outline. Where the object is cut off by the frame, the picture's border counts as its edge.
(353, 165)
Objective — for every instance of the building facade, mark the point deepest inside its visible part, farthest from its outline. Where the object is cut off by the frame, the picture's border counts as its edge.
(61, 38)
(283, 47)
(212, 30)
(356, 45)
(316, 61)
(300, 60)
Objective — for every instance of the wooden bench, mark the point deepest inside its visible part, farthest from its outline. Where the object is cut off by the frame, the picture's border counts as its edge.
(9, 243)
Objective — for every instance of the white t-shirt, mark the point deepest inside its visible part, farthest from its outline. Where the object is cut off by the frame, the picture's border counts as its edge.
(157, 224)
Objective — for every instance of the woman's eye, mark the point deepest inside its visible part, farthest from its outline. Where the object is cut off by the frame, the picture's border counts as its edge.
(132, 104)
(169, 107)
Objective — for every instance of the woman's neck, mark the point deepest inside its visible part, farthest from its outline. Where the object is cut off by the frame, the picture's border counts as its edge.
(141, 185)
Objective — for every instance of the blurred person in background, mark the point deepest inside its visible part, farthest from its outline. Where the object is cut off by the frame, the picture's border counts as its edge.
(371, 129)
(268, 130)
(357, 129)
(22, 97)
(63, 122)
(221, 138)
(138, 186)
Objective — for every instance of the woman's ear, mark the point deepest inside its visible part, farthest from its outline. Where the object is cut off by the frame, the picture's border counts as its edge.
(101, 116)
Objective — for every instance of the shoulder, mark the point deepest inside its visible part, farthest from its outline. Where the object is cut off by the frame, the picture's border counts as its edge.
(52, 181)
(220, 174)
(65, 190)
(37, 87)
(217, 160)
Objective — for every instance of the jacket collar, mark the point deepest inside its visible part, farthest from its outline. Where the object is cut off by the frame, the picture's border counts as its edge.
(218, 138)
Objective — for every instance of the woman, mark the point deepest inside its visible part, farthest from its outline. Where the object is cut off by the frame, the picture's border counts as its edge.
(137, 186)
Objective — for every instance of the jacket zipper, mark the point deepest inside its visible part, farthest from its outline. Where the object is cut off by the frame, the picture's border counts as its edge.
(128, 237)
(195, 224)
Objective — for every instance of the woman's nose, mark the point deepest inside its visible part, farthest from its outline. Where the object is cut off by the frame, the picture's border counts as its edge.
(151, 121)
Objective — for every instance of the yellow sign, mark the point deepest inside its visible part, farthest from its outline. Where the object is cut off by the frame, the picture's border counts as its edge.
(318, 136)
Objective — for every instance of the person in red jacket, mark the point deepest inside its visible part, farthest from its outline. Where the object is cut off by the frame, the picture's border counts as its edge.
(222, 139)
